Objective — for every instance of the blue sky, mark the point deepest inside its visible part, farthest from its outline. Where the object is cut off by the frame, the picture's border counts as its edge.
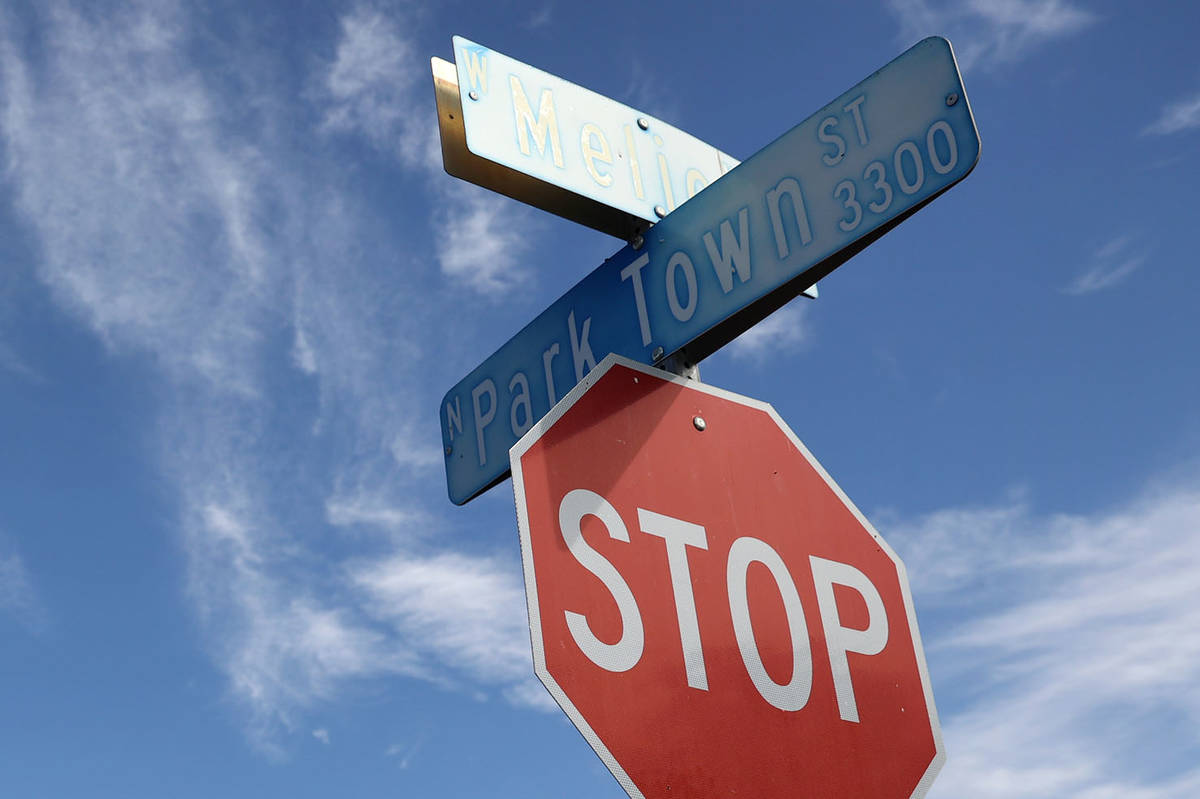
(236, 282)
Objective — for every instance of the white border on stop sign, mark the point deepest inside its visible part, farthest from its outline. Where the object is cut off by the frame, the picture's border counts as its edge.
(535, 619)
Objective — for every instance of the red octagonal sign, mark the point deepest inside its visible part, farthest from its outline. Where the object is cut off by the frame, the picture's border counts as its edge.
(707, 606)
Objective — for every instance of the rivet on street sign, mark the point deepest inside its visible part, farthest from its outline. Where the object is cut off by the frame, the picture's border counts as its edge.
(730, 256)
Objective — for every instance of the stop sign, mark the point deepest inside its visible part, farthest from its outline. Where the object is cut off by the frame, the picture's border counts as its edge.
(707, 606)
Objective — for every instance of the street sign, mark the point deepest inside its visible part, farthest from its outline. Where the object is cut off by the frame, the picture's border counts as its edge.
(730, 256)
(706, 605)
(520, 131)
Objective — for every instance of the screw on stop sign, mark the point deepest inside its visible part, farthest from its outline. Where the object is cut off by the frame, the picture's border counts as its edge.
(678, 535)
(710, 610)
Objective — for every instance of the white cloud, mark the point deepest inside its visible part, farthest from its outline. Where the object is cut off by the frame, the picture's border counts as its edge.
(482, 240)
(1111, 264)
(18, 598)
(322, 735)
(1176, 117)
(101, 154)
(370, 512)
(990, 33)
(371, 88)
(1065, 650)
(404, 753)
(283, 648)
(469, 611)
(410, 451)
(291, 359)
(378, 89)
(146, 211)
(788, 329)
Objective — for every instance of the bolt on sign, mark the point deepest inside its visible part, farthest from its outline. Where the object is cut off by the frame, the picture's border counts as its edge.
(722, 261)
(708, 607)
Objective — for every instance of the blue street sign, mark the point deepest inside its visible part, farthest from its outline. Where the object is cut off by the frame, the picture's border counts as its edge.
(734, 253)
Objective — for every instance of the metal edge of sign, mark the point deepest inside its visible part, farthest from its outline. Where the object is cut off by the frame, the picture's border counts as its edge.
(565, 404)
(966, 99)
(531, 601)
(460, 162)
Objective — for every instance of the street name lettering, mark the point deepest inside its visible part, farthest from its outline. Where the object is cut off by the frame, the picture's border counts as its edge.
(538, 135)
(765, 231)
(534, 122)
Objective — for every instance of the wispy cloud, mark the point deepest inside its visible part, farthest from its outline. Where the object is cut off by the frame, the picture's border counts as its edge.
(1110, 265)
(541, 17)
(481, 239)
(371, 86)
(469, 611)
(322, 735)
(403, 753)
(374, 89)
(788, 329)
(990, 33)
(374, 512)
(18, 598)
(283, 647)
(226, 249)
(1063, 646)
(1176, 117)
(162, 156)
